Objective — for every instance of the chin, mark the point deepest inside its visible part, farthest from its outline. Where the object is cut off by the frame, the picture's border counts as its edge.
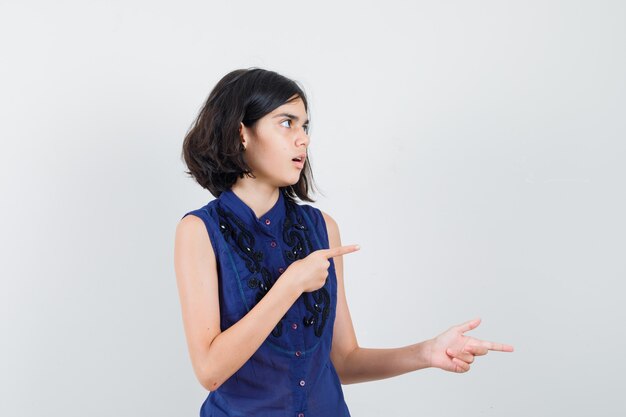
(290, 183)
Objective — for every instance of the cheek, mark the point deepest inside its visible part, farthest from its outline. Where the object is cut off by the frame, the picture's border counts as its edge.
(273, 151)
(268, 157)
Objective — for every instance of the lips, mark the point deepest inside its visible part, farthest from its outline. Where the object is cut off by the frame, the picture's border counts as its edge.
(299, 161)
(299, 158)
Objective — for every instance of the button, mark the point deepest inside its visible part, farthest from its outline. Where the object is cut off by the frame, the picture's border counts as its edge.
(294, 326)
(300, 414)
(273, 244)
(298, 353)
(302, 382)
(281, 270)
(267, 221)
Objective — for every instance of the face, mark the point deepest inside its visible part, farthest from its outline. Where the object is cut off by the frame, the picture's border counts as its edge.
(274, 141)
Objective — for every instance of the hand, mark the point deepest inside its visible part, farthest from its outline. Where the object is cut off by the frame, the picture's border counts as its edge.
(452, 351)
(310, 273)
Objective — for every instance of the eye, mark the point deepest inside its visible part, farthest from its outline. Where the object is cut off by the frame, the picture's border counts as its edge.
(305, 127)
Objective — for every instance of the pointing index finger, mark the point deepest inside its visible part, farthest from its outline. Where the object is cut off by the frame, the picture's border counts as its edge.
(341, 250)
(501, 347)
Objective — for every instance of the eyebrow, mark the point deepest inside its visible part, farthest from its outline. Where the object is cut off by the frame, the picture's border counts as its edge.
(292, 116)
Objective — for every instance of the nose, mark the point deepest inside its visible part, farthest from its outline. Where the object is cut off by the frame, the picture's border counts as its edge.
(302, 138)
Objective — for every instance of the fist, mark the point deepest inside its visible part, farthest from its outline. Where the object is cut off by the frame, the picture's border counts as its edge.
(310, 273)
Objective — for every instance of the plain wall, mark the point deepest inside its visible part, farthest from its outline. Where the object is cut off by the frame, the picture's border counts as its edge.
(475, 150)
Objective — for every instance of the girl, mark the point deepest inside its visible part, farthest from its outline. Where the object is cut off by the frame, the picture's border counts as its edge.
(260, 275)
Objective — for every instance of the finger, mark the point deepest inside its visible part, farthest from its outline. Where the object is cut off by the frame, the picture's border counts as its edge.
(501, 347)
(469, 325)
(340, 250)
(476, 350)
(460, 365)
(464, 356)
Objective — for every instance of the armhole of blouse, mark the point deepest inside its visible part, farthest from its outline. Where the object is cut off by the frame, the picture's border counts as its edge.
(319, 223)
(324, 228)
(325, 238)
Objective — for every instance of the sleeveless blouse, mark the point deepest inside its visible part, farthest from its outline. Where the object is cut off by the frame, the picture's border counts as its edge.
(290, 374)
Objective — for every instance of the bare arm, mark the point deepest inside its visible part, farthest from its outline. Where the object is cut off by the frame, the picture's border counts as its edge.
(217, 355)
(365, 364)
(451, 351)
(352, 362)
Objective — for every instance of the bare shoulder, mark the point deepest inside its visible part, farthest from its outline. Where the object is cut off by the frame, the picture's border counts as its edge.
(331, 227)
(327, 216)
(190, 224)
(194, 256)
(191, 233)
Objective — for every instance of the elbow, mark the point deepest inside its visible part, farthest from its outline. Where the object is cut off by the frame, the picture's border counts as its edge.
(341, 375)
(211, 385)
(344, 380)
(208, 377)
(210, 382)
(344, 367)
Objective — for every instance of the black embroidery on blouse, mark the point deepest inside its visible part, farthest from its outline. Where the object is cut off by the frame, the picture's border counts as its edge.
(236, 232)
(242, 238)
(297, 239)
(296, 234)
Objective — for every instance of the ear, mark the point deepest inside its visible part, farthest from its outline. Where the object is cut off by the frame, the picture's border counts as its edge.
(243, 133)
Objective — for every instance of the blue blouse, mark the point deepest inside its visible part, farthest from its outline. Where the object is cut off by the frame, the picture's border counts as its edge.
(291, 374)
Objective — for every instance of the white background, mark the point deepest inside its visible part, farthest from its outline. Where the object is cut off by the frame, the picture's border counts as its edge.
(474, 149)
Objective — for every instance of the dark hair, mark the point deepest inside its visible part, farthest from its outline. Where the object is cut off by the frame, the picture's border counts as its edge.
(212, 147)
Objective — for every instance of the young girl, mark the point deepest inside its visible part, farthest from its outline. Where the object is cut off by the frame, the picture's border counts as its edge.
(260, 275)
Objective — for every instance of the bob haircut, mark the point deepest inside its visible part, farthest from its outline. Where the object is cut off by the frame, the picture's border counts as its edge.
(212, 147)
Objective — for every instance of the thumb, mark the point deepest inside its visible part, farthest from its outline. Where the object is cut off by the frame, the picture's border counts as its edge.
(469, 325)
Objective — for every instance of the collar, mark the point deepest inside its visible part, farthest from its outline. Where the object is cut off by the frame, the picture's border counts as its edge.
(272, 218)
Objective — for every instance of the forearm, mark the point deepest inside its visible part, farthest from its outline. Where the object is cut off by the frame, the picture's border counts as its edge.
(365, 364)
(230, 350)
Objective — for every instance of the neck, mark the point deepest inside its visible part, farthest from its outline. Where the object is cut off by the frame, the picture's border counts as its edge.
(260, 197)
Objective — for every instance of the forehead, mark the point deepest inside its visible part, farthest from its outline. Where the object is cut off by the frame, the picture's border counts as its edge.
(295, 107)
